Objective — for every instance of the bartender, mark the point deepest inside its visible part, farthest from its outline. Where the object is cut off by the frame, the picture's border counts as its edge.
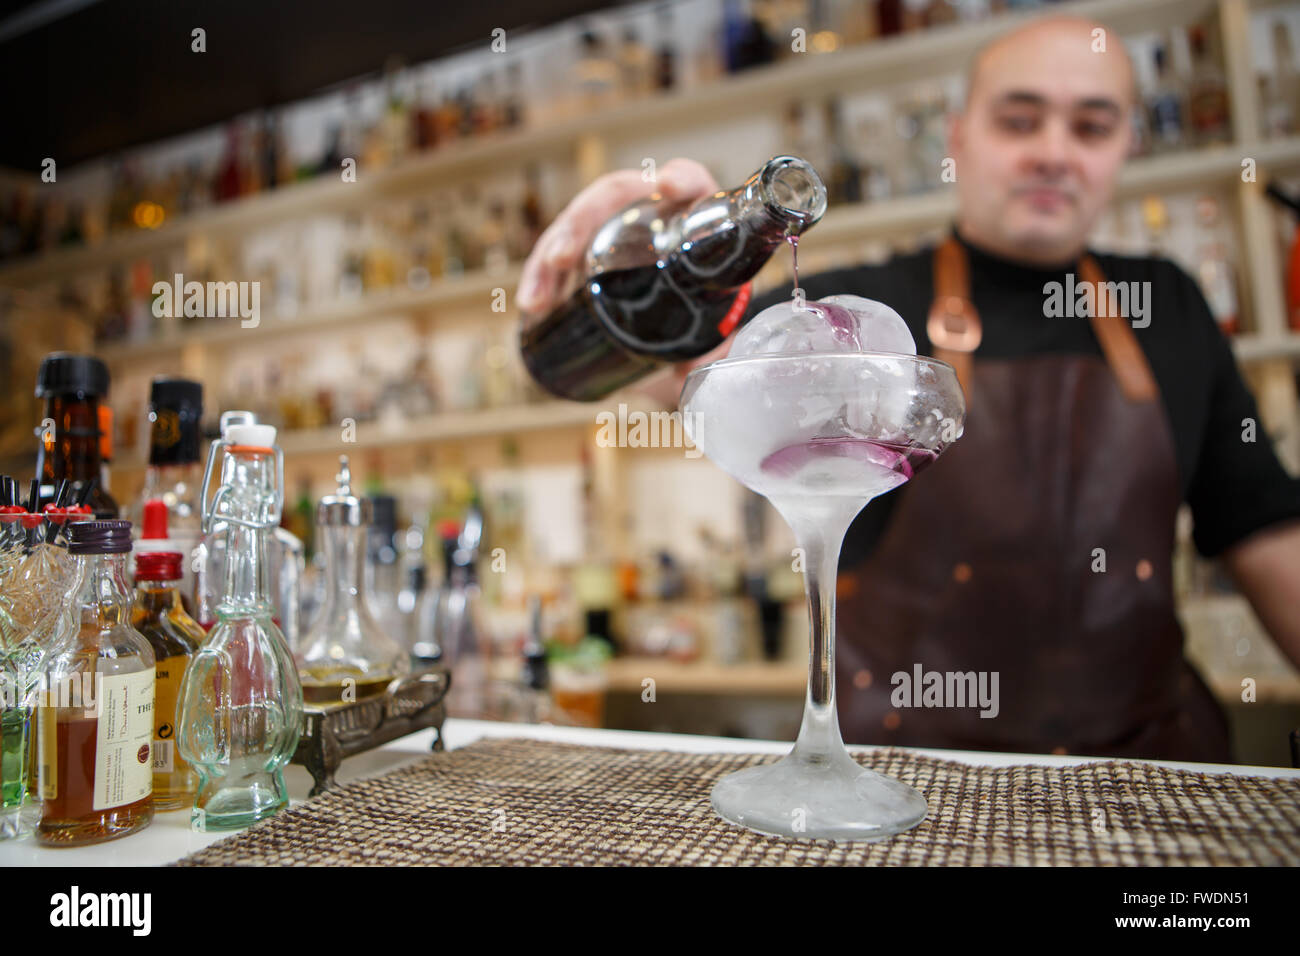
(1039, 546)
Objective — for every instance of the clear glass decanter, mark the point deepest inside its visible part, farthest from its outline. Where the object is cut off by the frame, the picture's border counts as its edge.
(240, 709)
(346, 655)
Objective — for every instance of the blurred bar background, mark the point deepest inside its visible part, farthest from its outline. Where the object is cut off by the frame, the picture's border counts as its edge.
(387, 326)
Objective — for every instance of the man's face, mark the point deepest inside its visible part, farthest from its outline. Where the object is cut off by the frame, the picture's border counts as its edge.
(1041, 141)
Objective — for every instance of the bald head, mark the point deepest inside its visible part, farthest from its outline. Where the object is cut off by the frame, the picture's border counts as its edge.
(1044, 132)
(1043, 40)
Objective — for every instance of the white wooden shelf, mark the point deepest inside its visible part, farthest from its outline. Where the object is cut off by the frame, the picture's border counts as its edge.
(222, 333)
(845, 224)
(443, 426)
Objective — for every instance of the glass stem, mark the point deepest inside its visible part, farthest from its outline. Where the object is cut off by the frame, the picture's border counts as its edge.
(820, 539)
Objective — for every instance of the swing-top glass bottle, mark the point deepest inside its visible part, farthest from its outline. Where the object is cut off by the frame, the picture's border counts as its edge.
(240, 711)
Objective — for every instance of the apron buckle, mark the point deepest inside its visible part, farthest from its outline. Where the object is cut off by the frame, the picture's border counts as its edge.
(954, 325)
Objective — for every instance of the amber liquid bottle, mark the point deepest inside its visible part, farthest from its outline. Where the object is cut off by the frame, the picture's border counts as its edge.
(73, 387)
(94, 728)
(174, 636)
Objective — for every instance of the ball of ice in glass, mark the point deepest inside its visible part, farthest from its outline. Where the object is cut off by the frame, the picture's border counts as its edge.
(837, 323)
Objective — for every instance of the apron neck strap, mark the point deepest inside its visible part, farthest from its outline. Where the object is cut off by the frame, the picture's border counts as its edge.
(955, 331)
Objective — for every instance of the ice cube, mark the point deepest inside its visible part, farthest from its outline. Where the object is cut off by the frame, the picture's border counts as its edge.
(837, 323)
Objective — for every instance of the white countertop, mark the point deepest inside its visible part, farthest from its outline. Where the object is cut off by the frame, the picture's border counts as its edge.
(169, 836)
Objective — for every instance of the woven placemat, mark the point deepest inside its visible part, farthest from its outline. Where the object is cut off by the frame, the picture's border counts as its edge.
(519, 801)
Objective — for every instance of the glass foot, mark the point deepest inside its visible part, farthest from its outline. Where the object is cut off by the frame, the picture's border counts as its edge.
(819, 798)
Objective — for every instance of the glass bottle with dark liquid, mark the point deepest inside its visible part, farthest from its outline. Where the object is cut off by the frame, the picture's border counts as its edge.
(665, 281)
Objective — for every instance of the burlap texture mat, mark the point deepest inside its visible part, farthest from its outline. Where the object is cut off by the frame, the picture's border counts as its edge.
(526, 802)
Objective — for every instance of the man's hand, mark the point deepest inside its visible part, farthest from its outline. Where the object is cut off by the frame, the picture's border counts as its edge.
(561, 247)
(1266, 566)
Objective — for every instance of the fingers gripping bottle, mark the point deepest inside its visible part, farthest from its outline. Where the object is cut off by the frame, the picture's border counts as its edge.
(666, 281)
(240, 710)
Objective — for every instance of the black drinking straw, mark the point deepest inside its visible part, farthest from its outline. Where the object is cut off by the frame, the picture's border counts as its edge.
(63, 491)
(4, 491)
(33, 495)
(86, 490)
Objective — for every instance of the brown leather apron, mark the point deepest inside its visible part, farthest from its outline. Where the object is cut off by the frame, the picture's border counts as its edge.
(991, 563)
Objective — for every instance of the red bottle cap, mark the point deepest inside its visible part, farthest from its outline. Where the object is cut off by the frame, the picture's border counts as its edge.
(154, 523)
(158, 566)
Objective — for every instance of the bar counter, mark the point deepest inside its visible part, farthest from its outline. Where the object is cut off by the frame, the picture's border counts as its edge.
(169, 838)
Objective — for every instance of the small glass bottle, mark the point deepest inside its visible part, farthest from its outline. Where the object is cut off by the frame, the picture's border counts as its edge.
(240, 711)
(175, 637)
(346, 656)
(96, 724)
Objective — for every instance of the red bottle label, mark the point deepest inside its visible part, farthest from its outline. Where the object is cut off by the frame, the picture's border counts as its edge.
(732, 318)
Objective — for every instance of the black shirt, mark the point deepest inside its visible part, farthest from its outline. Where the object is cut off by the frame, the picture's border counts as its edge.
(1234, 487)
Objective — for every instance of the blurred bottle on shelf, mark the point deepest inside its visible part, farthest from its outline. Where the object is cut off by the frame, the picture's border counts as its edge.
(1155, 218)
(395, 126)
(844, 182)
(414, 572)
(746, 43)
(872, 151)
(1165, 105)
(173, 475)
(665, 61)
(531, 218)
(424, 117)
(1218, 282)
(595, 73)
(73, 387)
(534, 678)
(1282, 90)
(106, 448)
(512, 106)
(229, 183)
(919, 121)
(635, 65)
(458, 630)
(384, 569)
(1207, 93)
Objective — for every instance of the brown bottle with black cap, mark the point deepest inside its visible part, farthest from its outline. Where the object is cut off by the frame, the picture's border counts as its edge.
(73, 387)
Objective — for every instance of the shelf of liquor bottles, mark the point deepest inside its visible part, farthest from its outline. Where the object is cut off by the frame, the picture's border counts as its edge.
(847, 225)
(349, 437)
(885, 63)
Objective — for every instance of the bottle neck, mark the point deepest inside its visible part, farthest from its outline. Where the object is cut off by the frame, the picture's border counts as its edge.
(72, 446)
(248, 495)
(726, 238)
(246, 579)
(345, 566)
(174, 437)
(157, 598)
(104, 594)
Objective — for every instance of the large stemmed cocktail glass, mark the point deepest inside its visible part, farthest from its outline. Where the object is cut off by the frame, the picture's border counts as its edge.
(819, 435)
